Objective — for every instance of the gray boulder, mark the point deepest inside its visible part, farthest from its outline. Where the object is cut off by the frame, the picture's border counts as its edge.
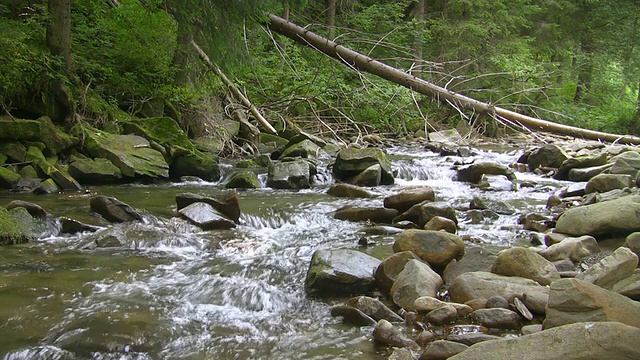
(571, 248)
(389, 269)
(304, 149)
(386, 334)
(289, 175)
(474, 259)
(483, 285)
(374, 308)
(340, 273)
(442, 349)
(618, 215)
(633, 242)
(626, 163)
(437, 248)
(442, 315)
(371, 176)
(607, 182)
(611, 269)
(205, 216)
(438, 223)
(497, 318)
(584, 174)
(421, 213)
(606, 340)
(584, 161)
(352, 161)
(547, 156)
(572, 301)
(525, 263)
(415, 280)
(113, 210)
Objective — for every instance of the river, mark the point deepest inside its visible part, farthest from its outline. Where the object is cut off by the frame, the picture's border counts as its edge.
(175, 292)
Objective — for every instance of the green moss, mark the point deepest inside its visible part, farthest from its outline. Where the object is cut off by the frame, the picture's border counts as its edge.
(55, 139)
(243, 179)
(8, 178)
(3, 159)
(19, 129)
(247, 163)
(13, 150)
(163, 130)
(13, 226)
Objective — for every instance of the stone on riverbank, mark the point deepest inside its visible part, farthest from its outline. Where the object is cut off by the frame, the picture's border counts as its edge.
(340, 273)
(571, 248)
(633, 242)
(480, 284)
(607, 182)
(546, 156)
(352, 161)
(474, 259)
(497, 318)
(525, 263)
(93, 171)
(388, 270)
(386, 334)
(572, 301)
(417, 279)
(613, 216)
(420, 214)
(442, 349)
(437, 248)
(8, 178)
(580, 162)
(197, 163)
(606, 340)
(626, 163)
(611, 269)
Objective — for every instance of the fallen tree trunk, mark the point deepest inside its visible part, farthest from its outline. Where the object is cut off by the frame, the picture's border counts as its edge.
(236, 92)
(362, 62)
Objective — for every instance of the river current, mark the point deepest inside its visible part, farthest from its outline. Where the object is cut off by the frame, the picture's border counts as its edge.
(173, 291)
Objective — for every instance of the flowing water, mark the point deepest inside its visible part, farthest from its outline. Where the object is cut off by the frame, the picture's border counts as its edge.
(175, 292)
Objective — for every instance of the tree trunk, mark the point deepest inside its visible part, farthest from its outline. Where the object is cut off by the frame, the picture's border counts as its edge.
(417, 42)
(331, 18)
(58, 37)
(365, 63)
(286, 9)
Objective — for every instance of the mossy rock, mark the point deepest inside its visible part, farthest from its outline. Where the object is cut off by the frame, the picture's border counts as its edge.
(352, 161)
(34, 155)
(132, 154)
(17, 129)
(305, 148)
(13, 150)
(263, 160)
(8, 178)
(48, 186)
(246, 163)
(163, 130)
(13, 226)
(202, 165)
(3, 159)
(28, 172)
(93, 171)
(243, 179)
(276, 141)
(208, 145)
(55, 139)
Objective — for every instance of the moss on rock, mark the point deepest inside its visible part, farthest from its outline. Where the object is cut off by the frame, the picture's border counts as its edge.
(243, 179)
(55, 139)
(163, 130)
(19, 129)
(14, 151)
(13, 226)
(8, 178)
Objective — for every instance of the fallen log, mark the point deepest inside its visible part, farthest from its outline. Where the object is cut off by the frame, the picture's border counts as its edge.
(362, 62)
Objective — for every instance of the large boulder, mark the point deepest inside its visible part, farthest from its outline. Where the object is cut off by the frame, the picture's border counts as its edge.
(525, 263)
(17, 129)
(305, 149)
(8, 178)
(112, 209)
(340, 273)
(572, 301)
(132, 154)
(352, 161)
(571, 248)
(584, 174)
(422, 213)
(626, 163)
(197, 163)
(585, 161)
(606, 340)
(387, 273)
(93, 171)
(546, 156)
(205, 216)
(474, 259)
(162, 130)
(473, 173)
(404, 200)
(607, 182)
(611, 269)
(54, 139)
(243, 179)
(289, 175)
(483, 285)
(437, 248)
(13, 229)
(417, 279)
(618, 215)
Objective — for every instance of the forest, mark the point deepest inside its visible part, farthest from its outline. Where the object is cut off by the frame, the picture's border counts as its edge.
(572, 62)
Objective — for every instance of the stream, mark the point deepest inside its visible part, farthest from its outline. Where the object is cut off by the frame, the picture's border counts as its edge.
(173, 291)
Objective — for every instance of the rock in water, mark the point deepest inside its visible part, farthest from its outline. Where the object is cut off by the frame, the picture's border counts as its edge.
(113, 210)
(340, 272)
(205, 217)
(415, 280)
(289, 175)
(353, 161)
